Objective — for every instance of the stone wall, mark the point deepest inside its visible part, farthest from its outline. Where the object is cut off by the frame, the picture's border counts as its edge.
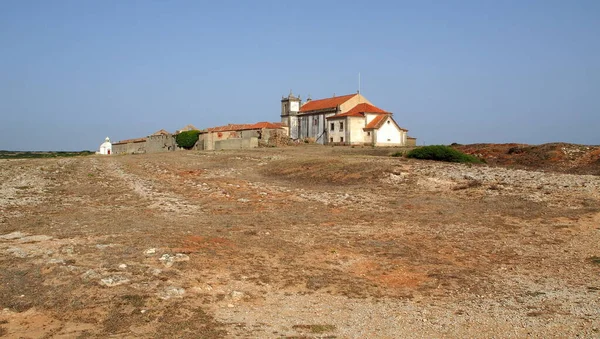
(274, 138)
(238, 139)
(129, 148)
(239, 143)
(161, 143)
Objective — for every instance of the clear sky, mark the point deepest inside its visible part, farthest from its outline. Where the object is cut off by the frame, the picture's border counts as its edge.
(74, 72)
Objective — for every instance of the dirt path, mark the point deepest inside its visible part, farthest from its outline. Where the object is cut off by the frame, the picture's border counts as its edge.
(296, 242)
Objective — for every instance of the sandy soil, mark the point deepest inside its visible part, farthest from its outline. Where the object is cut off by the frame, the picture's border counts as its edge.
(296, 242)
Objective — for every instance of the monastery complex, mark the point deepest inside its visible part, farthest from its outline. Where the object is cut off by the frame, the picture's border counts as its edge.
(339, 120)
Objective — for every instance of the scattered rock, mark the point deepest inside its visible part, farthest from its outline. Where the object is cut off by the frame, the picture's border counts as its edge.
(56, 261)
(13, 235)
(90, 275)
(237, 295)
(72, 268)
(243, 200)
(123, 266)
(150, 251)
(17, 252)
(67, 250)
(114, 280)
(104, 246)
(171, 292)
(155, 271)
(168, 259)
(35, 238)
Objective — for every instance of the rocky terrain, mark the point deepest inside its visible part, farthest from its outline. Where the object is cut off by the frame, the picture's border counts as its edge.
(555, 157)
(298, 242)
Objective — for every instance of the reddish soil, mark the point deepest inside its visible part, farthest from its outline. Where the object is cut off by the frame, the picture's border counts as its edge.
(558, 157)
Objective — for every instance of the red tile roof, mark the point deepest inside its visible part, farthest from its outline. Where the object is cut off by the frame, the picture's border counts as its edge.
(226, 128)
(347, 114)
(360, 110)
(366, 108)
(379, 120)
(376, 122)
(264, 124)
(316, 105)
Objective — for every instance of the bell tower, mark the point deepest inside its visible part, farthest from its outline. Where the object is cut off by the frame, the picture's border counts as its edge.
(290, 106)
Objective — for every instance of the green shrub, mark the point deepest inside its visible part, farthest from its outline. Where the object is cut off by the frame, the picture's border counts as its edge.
(595, 260)
(441, 153)
(187, 139)
(34, 155)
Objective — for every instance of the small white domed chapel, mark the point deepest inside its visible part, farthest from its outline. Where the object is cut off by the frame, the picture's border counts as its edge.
(106, 147)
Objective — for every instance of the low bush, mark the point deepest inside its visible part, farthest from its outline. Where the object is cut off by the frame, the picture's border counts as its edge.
(442, 153)
(594, 260)
(35, 155)
(187, 139)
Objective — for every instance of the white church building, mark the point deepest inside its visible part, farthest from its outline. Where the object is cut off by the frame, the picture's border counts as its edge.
(106, 147)
(343, 120)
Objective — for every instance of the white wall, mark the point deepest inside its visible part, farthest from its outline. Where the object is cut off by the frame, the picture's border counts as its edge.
(368, 136)
(355, 130)
(370, 117)
(106, 148)
(336, 134)
(389, 134)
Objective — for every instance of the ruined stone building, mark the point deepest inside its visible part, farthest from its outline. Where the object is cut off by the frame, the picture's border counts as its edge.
(231, 136)
(347, 120)
(160, 141)
(236, 136)
(130, 146)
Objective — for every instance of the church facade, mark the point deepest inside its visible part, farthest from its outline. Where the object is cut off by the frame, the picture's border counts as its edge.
(345, 120)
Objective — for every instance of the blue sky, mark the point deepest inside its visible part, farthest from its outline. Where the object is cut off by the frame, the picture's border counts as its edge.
(74, 72)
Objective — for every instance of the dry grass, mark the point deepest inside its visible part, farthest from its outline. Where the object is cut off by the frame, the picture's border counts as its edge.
(314, 329)
(470, 184)
(326, 171)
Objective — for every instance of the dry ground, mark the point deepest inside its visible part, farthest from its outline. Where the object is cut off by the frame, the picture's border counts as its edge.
(557, 156)
(297, 242)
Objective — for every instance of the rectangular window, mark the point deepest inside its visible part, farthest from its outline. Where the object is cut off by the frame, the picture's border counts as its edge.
(341, 139)
(341, 126)
(331, 140)
(332, 128)
(368, 134)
